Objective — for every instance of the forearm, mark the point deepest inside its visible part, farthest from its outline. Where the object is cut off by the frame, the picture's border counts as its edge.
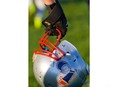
(49, 2)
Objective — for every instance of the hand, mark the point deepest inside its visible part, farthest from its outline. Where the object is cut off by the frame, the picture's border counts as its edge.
(56, 19)
(61, 24)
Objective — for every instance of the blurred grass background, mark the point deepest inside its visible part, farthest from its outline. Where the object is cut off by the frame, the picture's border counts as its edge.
(77, 14)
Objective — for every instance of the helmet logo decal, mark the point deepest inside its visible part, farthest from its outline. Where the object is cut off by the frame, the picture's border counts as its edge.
(67, 73)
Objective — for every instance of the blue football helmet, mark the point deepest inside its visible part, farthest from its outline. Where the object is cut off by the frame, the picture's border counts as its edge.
(59, 64)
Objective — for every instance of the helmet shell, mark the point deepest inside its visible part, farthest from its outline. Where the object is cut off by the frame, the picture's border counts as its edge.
(69, 71)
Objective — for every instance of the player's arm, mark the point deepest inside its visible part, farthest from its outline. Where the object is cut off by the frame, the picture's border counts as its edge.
(49, 2)
(56, 18)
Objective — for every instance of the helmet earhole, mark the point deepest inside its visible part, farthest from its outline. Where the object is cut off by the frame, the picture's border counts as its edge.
(68, 52)
(74, 60)
(63, 45)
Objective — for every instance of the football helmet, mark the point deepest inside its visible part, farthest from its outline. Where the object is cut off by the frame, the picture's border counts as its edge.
(59, 64)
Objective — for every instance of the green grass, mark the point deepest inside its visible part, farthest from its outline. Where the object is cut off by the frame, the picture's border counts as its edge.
(78, 33)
